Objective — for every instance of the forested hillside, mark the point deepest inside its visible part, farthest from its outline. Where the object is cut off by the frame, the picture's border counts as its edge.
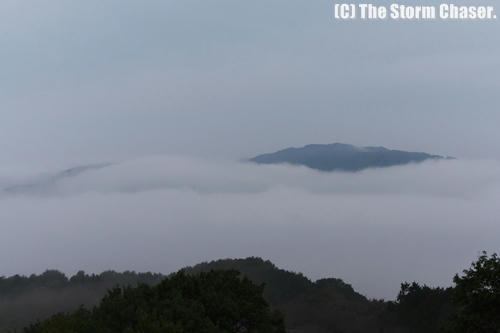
(327, 305)
(215, 302)
(25, 299)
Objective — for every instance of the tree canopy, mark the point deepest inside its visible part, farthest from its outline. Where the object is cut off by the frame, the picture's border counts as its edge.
(477, 295)
(212, 302)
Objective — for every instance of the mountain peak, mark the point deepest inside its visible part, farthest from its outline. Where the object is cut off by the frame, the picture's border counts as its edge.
(343, 157)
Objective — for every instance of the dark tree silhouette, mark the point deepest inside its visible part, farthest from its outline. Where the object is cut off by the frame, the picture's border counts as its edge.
(477, 294)
(212, 302)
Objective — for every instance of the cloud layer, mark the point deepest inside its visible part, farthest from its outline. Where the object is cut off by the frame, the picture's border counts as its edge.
(374, 229)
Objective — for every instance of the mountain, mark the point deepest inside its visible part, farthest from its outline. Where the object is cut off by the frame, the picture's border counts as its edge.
(343, 157)
(313, 306)
(322, 306)
(26, 299)
(326, 305)
(209, 302)
(44, 183)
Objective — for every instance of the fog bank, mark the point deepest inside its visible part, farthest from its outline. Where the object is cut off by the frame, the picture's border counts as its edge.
(374, 229)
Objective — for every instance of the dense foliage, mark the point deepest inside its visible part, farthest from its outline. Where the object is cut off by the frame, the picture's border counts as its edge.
(215, 302)
(477, 294)
(281, 285)
(420, 308)
(24, 299)
(328, 305)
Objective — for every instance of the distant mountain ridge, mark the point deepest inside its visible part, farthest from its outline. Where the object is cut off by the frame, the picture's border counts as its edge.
(321, 306)
(44, 183)
(343, 157)
(326, 305)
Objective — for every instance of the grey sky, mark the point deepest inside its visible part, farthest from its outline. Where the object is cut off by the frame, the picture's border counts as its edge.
(95, 80)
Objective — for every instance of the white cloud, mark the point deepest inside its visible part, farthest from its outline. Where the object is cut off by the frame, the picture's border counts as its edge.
(374, 229)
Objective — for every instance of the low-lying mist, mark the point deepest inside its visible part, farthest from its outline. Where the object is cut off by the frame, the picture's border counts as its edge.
(374, 229)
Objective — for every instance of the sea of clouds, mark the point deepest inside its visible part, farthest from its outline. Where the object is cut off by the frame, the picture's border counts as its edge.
(374, 229)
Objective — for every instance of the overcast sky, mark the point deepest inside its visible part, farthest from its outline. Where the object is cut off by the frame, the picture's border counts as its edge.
(94, 80)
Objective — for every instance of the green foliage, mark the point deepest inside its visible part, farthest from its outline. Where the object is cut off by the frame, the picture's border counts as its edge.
(477, 294)
(328, 305)
(341, 287)
(55, 280)
(419, 308)
(25, 299)
(212, 302)
(281, 285)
